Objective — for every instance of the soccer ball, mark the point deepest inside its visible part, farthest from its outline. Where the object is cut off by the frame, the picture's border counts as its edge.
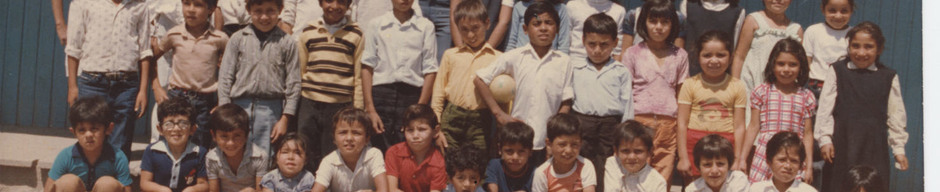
(503, 88)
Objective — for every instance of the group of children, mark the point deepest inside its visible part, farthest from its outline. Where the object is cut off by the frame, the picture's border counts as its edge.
(268, 97)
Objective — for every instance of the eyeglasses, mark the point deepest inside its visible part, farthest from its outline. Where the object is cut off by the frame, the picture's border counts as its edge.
(179, 125)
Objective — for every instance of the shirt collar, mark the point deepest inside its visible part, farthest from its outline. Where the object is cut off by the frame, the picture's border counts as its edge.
(339, 24)
(275, 33)
(587, 62)
(292, 180)
(528, 48)
(433, 158)
(162, 146)
(107, 153)
(871, 67)
(485, 49)
(390, 20)
(341, 162)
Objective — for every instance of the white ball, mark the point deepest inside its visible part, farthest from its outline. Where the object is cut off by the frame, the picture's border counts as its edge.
(503, 88)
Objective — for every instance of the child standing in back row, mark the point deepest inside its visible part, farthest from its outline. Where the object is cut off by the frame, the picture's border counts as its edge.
(826, 43)
(578, 13)
(759, 33)
(861, 118)
(517, 33)
(659, 69)
(708, 15)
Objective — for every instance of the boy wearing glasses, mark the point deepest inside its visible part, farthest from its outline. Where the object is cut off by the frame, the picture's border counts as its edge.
(174, 163)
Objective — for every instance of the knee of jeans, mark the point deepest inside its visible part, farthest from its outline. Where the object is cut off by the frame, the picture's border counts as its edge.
(69, 182)
(107, 183)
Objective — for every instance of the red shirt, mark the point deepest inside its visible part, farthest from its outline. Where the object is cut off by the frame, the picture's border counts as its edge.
(413, 177)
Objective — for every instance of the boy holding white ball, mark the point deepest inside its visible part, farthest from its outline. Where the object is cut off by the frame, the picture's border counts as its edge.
(542, 77)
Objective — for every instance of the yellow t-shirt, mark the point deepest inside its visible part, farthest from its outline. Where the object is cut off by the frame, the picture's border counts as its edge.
(713, 104)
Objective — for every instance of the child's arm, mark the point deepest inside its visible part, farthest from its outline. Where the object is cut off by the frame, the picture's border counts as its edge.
(589, 176)
(684, 166)
(159, 48)
(897, 123)
(381, 182)
(217, 17)
(147, 184)
(429, 65)
(440, 83)
(749, 135)
(454, 30)
(258, 183)
(214, 185)
(499, 32)
(808, 145)
(201, 185)
(73, 49)
(744, 44)
(287, 17)
(739, 137)
(539, 181)
(427, 89)
(824, 124)
(369, 60)
(392, 183)
(60, 27)
(227, 71)
(501, 117)
(626, 95)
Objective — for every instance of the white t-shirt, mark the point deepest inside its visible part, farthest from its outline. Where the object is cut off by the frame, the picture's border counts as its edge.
(735, 182)
(768, 186)
(826, 46)
(507, 3)
(540, 180)
(336, 176)
(618, 179)
(234, 12)
(580, 10)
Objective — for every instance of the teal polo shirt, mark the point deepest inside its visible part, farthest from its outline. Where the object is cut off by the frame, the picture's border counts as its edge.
(72, 161)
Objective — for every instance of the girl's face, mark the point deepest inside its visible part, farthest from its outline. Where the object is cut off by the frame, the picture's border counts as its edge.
(714, 58)
(290, 159)
(714, 171)
(776, 6)
(418, 134)
(658, 28)
(350, 138)
(786, 68)
(633, 155)
(838, 13)
(864, 50)
(785, 165)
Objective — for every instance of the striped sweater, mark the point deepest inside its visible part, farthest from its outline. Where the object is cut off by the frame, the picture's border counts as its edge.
(330, 64)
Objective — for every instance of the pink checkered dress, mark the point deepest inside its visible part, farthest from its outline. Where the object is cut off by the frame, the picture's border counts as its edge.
(778, 112)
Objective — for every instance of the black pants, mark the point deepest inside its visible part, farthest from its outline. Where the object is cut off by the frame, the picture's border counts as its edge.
(597, 142)
(390, 102)
(315, 124)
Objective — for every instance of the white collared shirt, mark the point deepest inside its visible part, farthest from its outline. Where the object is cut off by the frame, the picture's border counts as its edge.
(234, 12)
(618, 179)
(299, 13)
(897, 115)
(735, 182)
(106, 37)
(541, 85)
(336, 176)
(400, 52)
(604, 92)
(768, 186)
(364, 11)
(162, 146)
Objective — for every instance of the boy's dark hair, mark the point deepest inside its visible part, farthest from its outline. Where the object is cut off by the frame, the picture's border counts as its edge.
(353, 115)
(601, 23)
(471, 9)
(229, 117)
(249, 3)
(553, 2)
(176, 106)
(563, 124)
(783, 141)
(733, 3)
(419, 112)
(290, 136)
(463, 158)
(631, 130)
(851, 4)
(791, 46)
(348, 2)
(211, 4)
(712, 147)
(719, 36)
(864, 177)
(95, 110)
(539, 7)
(873, 30)
(658, 9)
(516, 133)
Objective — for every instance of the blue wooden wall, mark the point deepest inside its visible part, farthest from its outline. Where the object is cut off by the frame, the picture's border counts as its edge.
(33, 85)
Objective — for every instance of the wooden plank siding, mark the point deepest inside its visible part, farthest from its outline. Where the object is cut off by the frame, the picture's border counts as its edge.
(33, 85)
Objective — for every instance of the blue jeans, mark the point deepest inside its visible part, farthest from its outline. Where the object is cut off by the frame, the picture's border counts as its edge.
(202, 103)
(121, 94)
(262, 115)
(440, 16)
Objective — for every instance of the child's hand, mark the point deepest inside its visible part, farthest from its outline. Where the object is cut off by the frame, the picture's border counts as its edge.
(280, 128)
(900, 162)
(159, 94)
(504, 118)
(441, 140)
(62, 31)
(738, 166)
(828, 153)
(72, 95)
(684, 167)
(808, 174)
(141, 105)
(377, 122)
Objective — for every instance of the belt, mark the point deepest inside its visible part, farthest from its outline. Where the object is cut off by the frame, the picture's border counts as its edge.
(597, 116)
(192, 93)
(115, 75)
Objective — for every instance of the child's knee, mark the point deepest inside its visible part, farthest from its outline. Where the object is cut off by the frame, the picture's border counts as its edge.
(108, 183)
(69, 182)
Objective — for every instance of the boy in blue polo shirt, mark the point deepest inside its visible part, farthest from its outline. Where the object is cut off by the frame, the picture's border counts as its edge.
(90, 164)
(174, 163)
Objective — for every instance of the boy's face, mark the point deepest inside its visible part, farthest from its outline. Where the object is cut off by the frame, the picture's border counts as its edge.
(633, 155)
(473, 32)
(334, 10)
(541, 30)
(515, 156)
(91, 136)
(350, 138)
(785, 165)
(466, 180)
(196, 13)
(599, 46)
(402, 5)
(714, 171)
(418, 134)
(565, 149)
(231, 142)
(290, 159)
(264, 15)
(176, 129)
